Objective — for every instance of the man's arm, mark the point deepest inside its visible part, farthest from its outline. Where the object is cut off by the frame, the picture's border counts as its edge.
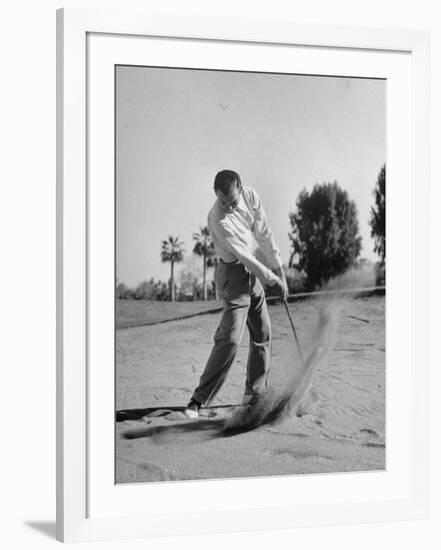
(264, 237)
(245, 257)
(263, 233)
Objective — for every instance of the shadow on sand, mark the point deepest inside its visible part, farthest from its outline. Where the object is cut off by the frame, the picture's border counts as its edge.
(156, 412)
(191, 431)
(209, 425)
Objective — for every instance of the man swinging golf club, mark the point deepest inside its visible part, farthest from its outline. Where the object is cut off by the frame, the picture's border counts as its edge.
(236, 216)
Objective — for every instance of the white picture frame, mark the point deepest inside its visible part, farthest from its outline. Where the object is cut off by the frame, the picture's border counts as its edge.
(77, 520)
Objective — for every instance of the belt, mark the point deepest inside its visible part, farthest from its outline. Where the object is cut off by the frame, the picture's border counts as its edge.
(228, 263)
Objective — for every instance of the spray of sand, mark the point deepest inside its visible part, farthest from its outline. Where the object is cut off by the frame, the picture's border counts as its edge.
(277, 404)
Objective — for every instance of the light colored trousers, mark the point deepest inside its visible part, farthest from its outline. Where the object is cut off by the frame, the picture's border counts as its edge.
(244, 304)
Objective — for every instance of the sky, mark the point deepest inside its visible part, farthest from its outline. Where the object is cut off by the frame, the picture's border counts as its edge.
(176, 128)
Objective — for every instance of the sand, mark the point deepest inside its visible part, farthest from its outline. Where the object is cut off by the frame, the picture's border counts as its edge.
(158, 366)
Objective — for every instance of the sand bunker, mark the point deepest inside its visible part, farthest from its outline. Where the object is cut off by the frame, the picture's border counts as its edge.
(343, 343)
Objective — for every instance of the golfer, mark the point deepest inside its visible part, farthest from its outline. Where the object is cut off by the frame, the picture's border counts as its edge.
(234, 219)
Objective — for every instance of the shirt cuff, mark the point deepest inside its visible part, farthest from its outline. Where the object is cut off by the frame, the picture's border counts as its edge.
(278, 261)
(271, 278)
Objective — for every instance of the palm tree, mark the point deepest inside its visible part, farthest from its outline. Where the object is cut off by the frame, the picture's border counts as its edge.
(204, 247)
(212, 261)
(172, 251)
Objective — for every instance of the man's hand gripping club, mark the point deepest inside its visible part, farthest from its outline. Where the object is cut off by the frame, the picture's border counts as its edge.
(281, 284)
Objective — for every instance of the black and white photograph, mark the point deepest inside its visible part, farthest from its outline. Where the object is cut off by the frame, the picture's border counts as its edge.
(250, 274)
(206, 343)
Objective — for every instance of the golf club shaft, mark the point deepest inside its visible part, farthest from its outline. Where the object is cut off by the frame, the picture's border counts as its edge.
(294, 331)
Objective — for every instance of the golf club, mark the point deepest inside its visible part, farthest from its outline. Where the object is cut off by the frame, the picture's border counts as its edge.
(285, 301)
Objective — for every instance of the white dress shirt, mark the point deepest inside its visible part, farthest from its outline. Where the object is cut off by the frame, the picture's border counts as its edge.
(232, 234)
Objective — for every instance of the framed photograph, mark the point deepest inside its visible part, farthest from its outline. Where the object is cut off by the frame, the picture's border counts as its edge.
(234, 352)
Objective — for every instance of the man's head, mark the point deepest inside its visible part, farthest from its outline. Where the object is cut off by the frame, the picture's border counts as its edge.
(228, 187)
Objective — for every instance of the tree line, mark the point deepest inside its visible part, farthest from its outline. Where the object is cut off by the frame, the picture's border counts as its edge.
(325, 242)
(190, 288)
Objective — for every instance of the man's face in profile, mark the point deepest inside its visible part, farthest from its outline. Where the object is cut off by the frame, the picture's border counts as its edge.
(228, 202)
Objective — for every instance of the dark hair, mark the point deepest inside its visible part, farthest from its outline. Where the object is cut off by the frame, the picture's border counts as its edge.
(224, 181)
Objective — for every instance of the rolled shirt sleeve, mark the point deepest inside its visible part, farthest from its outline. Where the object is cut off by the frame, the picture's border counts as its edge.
(263, 233)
